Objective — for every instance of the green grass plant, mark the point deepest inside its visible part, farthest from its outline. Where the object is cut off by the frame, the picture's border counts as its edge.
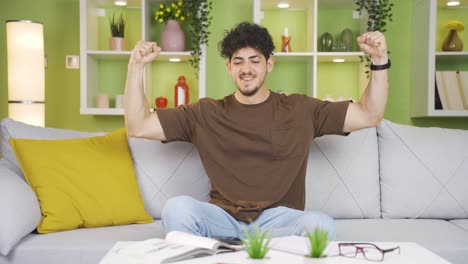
(256, 244)
(318, 242)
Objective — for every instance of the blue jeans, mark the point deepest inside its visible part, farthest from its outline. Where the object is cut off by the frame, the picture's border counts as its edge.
(184, 213)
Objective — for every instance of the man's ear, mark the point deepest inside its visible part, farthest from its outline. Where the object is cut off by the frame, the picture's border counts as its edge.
(228, 65)
(270, 63)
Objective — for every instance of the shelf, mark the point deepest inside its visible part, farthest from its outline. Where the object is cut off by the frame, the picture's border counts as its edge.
(120, 55)
(347, 56)
(449, 113)
(101, 111)
(293, 56)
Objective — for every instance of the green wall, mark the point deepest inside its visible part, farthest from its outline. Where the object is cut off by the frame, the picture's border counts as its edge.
(61, 30)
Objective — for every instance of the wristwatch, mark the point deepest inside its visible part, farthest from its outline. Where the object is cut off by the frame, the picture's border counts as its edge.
(385, 66)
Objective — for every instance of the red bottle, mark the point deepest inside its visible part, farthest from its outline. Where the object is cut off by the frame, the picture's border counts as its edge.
(181, 92)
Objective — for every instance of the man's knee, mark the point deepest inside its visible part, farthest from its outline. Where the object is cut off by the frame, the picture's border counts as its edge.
(312, 220)
(178, 206)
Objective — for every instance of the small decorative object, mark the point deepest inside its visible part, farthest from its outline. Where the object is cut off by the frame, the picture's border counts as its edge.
(172, 37)
(256, 244)
(103, 100)
(181, 92)
(119, 101)
(327, 41)
(453, 42)
(117, 28)
(318, 242)
(347, 38)
(161, 102)
(286, 41)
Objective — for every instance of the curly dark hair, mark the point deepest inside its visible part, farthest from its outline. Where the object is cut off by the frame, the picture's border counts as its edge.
(246, 34)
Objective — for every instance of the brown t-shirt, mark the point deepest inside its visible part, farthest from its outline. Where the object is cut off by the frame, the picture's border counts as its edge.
(255, 155)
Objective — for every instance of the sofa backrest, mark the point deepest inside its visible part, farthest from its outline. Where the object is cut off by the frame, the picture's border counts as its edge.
(343, 175)
(11, 128)
(424, 171)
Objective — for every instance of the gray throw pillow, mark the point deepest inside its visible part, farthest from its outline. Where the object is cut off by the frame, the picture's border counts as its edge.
(20, 209)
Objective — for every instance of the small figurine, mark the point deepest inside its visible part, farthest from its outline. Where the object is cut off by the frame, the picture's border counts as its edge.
(286, 42)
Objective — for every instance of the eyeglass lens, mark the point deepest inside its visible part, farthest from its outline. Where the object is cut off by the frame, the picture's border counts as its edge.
(369, 251)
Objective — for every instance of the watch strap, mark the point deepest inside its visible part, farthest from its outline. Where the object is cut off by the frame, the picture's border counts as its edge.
(385, 66)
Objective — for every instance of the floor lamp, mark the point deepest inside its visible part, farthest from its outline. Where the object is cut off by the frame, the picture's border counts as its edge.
(26, 81)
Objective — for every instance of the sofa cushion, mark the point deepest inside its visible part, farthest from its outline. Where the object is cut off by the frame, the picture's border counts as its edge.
(424, 171)
(343, 175)
(461, 223)
(168, 170)
(85, 182)
(20, 212)
(11, 128)
(79, 246)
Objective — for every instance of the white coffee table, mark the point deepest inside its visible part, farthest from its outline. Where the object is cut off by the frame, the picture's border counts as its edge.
(410, 253)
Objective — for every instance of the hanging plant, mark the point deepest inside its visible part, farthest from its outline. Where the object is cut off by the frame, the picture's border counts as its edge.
(379, 14)
(199, 10)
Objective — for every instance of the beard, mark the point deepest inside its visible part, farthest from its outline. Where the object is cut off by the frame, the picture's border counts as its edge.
(253, 91)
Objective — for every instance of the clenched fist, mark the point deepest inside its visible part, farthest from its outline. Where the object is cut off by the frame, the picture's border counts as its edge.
(144, 52)
(374, 44)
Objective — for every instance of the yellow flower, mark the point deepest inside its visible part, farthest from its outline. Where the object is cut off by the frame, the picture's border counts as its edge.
(161, 20)
(182, 18)
(168, 9)
(455, 25)
(161, 6)
(180, 3)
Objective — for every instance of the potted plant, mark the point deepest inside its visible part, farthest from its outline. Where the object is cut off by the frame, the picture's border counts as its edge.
(173, 37)
(199, 25)
(197, 13)
(256, 244)
(117, 28)
(379, 13)
(318, 241)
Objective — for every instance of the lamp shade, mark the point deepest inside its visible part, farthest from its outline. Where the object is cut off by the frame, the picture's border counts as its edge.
(26, 81)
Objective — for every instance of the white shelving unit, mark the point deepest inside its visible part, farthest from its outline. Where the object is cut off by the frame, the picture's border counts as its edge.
(427, 57)
(310, 55)
(94, 55)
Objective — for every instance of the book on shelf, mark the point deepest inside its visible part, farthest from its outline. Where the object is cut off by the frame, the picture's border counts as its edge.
(463, 77)
(176, 247)
(452, 87)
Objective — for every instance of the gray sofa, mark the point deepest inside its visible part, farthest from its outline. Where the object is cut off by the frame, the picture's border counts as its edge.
(393, 183)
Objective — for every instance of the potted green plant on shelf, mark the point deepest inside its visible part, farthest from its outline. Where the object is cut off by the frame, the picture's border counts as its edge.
(172, 37)
(117, 28)
(379, 13)
(256, 244)
(318, 241)
(199, 27)
(197, 13)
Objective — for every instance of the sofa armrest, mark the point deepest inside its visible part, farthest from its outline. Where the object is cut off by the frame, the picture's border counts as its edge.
(19, 206)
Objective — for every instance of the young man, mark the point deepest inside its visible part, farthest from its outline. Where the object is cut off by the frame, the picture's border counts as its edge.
(253, 143)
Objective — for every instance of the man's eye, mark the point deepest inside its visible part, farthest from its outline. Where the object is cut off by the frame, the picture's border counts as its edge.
(237, 62)
(255, 61)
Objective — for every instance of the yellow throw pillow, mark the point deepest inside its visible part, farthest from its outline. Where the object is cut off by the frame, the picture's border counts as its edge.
(85, 182)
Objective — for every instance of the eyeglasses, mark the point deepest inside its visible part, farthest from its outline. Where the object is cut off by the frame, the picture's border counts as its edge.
(369, 251)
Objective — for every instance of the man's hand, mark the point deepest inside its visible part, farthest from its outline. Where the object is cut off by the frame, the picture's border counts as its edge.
(374, 44)
(144, 52)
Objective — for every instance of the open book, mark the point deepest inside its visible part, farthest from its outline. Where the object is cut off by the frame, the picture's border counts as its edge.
(176, 247)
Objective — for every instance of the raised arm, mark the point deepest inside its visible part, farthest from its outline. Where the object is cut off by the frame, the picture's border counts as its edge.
(369, 111)
(139, 121)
